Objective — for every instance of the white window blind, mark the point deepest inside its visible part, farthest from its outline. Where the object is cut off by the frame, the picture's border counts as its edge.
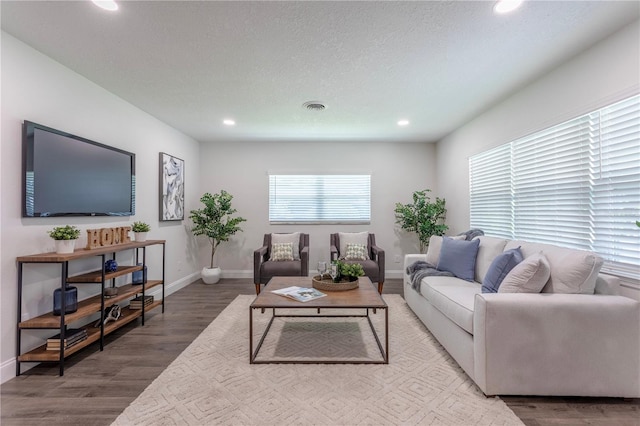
(576, 184)
(319, 198)
(491, 197)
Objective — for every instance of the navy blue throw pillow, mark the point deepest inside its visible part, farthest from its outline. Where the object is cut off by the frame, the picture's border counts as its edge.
(459, 257)
(499, 268)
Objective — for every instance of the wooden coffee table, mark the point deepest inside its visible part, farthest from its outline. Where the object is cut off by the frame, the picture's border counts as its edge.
(365, 297)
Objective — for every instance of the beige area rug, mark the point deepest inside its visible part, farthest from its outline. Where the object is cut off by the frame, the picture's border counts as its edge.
(212, 382)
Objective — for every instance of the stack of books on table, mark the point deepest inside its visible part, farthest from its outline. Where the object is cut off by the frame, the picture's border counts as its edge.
(72, 336)
(137, 302)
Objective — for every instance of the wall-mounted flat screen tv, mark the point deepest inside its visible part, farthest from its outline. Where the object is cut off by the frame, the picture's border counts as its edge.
(67, 175)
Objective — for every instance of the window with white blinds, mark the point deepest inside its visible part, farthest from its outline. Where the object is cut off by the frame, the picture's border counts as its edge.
(320, 199)
(576, 184)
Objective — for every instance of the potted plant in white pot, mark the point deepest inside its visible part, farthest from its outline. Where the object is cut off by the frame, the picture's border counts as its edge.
(215, 221)
(423, 216)
(140, 230)
(65, 238)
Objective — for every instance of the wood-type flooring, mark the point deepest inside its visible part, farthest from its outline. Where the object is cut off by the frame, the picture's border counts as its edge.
(98, 386)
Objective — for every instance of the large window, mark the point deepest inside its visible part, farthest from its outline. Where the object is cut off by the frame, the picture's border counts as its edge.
(576, 184)
(319, 198)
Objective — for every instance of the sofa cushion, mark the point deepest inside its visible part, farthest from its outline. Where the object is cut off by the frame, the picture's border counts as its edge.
(293, 238)
(435, 245)
(529, 276)
(281, 251)
(500, 267)
(453, 297)
(490, 248)
(572, 271)
(352, 238)
(459, 257)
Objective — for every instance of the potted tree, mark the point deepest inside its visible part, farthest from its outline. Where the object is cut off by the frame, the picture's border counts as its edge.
(65, 238)
(140, 230)
(215, 221)
(423, 216)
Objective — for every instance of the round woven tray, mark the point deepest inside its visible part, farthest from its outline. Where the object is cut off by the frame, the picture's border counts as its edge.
(327, 284)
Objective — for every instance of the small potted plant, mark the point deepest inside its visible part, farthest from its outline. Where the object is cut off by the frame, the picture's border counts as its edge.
(140, 230)
(350, 271)
(65, 238)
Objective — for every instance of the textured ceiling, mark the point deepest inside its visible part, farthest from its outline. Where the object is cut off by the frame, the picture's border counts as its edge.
(192, 64)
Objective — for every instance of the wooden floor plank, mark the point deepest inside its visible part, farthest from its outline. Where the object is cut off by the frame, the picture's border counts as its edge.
(98, 386)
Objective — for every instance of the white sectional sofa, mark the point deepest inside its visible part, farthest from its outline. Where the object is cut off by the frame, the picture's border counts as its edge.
(548, 343)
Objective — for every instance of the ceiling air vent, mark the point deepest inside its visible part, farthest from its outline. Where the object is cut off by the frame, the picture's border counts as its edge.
(314, 106)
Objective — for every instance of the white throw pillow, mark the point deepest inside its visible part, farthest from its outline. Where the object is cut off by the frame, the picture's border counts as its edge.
(293, 238)
(529, 276)
(352, 238)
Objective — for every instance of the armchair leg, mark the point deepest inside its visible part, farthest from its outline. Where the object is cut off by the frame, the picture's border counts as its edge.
(257, 289)
(380, 284)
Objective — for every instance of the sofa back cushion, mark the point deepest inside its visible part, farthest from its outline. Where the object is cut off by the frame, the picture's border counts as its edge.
(572, 271)
(489, 249)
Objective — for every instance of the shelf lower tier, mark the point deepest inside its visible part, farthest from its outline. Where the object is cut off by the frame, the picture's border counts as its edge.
(41, 354)
(88, 306)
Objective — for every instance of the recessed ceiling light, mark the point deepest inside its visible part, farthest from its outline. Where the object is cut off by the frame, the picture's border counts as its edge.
(228, 122)
(403, 123)
(106, 4)
(506, 6)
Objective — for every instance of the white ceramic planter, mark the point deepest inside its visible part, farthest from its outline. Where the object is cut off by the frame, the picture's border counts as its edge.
(65, 246)
(211, 275)
(140, 236)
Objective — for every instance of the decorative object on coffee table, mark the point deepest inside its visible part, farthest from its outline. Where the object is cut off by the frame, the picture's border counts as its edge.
(344, 276)
(171, 187)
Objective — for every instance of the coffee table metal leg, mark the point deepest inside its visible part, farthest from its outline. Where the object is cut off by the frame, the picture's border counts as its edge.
(254, 354)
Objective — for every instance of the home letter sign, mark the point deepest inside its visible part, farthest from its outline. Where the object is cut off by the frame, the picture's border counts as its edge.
(104, 237)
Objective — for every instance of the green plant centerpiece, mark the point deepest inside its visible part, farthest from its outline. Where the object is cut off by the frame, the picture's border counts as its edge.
(216, 222)
(423, 216)
(67, 232)
(349, 271)
(140, 227)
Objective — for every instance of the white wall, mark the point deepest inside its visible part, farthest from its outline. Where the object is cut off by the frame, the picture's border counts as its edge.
(242, 169)
(607, 72)
(38, 89)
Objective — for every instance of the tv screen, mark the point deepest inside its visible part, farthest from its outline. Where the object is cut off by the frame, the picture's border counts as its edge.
(66, 175)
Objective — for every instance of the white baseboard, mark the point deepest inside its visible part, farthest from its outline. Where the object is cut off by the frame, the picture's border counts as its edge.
(8, 368)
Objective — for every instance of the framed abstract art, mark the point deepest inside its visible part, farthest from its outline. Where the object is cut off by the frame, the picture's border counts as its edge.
(171, 187)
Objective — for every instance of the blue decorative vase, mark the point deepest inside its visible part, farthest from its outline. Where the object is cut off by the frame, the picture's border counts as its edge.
(70, 299)
(139, 277)
(110, 266)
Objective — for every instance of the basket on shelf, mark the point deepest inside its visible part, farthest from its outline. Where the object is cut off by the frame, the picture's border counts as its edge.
(327, 284)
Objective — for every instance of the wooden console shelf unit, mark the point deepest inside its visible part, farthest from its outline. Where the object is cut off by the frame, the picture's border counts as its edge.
(92, 305)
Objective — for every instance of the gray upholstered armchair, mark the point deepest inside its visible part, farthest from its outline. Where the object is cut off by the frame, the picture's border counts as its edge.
(373, 266)
(267, 264)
